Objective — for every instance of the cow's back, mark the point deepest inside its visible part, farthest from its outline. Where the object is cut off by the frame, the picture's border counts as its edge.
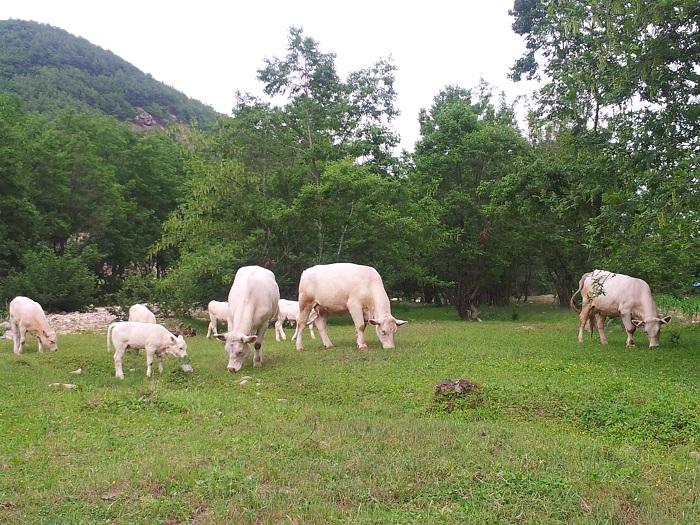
(29, 312)
(334, 286)
(253, 299)
(614, 293)
(140, 313)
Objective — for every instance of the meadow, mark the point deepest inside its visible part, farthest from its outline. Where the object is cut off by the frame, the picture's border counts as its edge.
(553, 432)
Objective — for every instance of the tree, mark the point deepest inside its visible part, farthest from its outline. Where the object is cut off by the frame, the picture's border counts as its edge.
(330, 117)
(623, 78)
(466, 146)
(19, 217)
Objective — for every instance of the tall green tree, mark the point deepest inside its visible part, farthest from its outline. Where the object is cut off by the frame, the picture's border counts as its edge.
(330, 117)
(623, 78)
(466, 145)
(20, 219)
(309, 180)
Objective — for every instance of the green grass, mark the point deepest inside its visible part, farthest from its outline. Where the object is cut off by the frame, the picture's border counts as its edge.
(558, 432)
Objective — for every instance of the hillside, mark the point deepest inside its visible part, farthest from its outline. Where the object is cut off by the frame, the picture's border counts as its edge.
(51, 68)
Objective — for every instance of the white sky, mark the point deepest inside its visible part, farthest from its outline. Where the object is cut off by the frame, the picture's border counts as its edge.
(211, 48)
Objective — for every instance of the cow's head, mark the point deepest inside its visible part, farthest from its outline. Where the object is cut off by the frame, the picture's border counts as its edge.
(652, 327)
(48, 339)
(386, 327)
(177, 346)
(237, 347)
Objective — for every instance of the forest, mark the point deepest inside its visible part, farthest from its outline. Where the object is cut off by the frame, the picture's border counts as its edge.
(482, 212)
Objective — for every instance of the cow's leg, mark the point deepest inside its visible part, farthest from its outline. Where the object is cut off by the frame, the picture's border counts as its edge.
(118, 355)
(321, 323)
(305, 307)
(358, 319)
(150, 354)
(211, 329)
(629, 328)
(16, 337)
(279, 331)
(583, 317)
(22, 338)
(311, 330)
(38, 342)
(257, 355)
(599, 321)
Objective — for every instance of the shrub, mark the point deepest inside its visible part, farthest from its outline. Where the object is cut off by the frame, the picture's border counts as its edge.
(57, 283)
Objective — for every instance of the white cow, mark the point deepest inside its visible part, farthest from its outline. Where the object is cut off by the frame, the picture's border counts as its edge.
(342, 288)
(140, 313)
(252, 302)
(218, 311)
(27, 315)
(608, 294)
(155, 338)
(289, 311)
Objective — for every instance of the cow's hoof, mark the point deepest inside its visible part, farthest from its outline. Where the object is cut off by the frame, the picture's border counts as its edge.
(362, 347)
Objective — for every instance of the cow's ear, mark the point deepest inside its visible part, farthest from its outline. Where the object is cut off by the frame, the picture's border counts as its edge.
(249, 339)
(221, 337)
(373, 322)
(399, 322)
(172, 338)
(666, 319)
(637, 323)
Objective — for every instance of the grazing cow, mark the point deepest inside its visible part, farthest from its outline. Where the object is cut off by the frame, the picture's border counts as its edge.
(289, 311)
(140, 313)
(607, 294)
(252, 302)
(27, 315)
(346, 288)
(155, 338)
(218, 311)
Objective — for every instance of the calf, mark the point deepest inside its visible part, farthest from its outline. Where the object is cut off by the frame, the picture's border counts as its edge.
(218, 311)
(155, 338)
(252, 302)
(27, 315)
(289, 311)
(141, 314)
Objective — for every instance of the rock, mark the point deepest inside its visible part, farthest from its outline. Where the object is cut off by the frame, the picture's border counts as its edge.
(97, 321)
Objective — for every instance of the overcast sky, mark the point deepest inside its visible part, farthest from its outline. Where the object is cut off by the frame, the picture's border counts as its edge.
(208, 49)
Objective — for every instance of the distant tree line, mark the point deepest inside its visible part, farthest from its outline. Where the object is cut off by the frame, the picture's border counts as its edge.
(478, 214)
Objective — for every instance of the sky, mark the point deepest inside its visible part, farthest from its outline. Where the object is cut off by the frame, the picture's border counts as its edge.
(210, 49)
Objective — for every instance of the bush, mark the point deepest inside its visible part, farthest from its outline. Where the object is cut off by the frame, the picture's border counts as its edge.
(135, 288)
(57, 283)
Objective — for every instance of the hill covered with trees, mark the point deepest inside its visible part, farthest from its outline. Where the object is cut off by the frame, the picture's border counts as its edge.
(50, 69)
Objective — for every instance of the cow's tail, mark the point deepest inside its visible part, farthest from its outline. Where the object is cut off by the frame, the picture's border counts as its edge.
(109, 336)
(571, 301)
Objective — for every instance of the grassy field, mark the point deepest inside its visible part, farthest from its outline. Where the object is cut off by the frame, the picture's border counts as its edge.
(556, 432)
